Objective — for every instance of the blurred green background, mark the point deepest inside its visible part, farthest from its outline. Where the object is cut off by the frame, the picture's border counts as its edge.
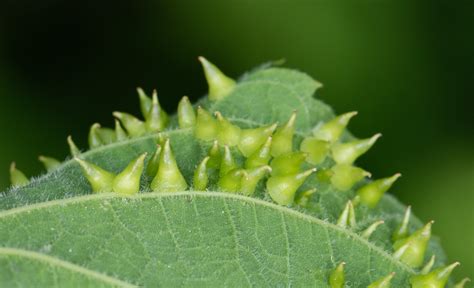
(406, 66)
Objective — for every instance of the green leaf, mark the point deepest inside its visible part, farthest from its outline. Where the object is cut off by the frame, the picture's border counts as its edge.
(187, 239)
(55, 227)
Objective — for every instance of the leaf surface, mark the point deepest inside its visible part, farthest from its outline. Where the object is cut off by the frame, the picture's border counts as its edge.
(189, 239)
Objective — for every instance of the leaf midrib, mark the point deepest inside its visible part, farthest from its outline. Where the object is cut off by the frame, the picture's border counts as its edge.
(211, 194)
(53, 261)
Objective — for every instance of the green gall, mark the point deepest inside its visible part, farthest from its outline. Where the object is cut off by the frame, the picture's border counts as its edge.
(347, 219)
(201, 179)
(316, 150)
(94, 137)
(49, 163)
(251, 179)
(260, 157)
(371, 229)
(186, 114)
(303, 198)
(462, 283)
(215, 157)
(72, 147)
(289, 163)
(119, 132)
(331, 131)
(435, 279)
(282, 188)
(134, 126)
(383, 282)
(283, 137)
(227, 162)
(206, 125)
(219, 84)
(168, 177)
(157, 118)
(347, 153)
(99, 179)
(17, 178)
(337, 278)
(232, 181)
(427, 268)
(128, 181)
(344, 176)
(227, 133)
(411, 250)
(402, 230)
(371, 193)
(252, 139)
(154, 162)
(145, 102)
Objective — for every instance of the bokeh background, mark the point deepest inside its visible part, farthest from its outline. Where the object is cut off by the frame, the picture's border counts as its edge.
(406, 66)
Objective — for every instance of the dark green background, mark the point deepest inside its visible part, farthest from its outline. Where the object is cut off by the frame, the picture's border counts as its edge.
(406, 66)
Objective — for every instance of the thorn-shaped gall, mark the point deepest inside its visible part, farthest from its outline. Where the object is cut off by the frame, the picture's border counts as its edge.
(261, 156)
(100, 179)
(347, 219)
(154, 162)
(371, 193)
(169, 177)
(331, 131)
(402, 230)
(316, 150)
(49, 163)
(371, 229)
(251, 179)
(145, 102)
(347, 153)
(289, 163)
(304, 197)
(383, 282)
(134, 126)
(119, 132)
(215, 157)
(232, 181)
(283, 137)
(227, 162)
(201, 178)
(219, 84)
(227, 133)
(413, 246)
(72, 147)
(186, 114)
(282, 188)
(427, 268)
(337, 278)
(128, 181)
(252, 139)
(435, 279)
(157, 118)
(94, 137)
(462, 283)
(206, 125)
(17, 178)
(344, 176)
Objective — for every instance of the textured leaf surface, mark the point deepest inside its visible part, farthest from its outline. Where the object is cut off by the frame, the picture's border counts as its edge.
(186, 239)
(53, 231)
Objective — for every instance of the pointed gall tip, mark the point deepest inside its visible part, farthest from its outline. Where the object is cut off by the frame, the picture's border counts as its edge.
(292, 119)
(347, 116)
(218, 116)
(374, 138)
(12, 166)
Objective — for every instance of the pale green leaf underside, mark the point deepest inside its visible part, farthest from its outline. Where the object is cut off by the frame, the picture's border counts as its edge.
(195, 239)
(186, 239)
